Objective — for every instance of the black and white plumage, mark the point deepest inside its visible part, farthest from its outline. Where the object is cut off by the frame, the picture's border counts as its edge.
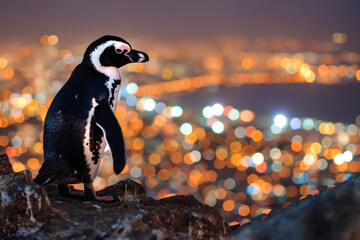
(81, 119)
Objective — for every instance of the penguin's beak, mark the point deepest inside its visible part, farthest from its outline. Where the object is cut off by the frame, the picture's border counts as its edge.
(137, 56)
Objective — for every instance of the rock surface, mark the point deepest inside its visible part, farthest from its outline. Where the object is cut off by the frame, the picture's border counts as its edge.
(25, 213)
(333, 214)
(134, 216)
(22, 203)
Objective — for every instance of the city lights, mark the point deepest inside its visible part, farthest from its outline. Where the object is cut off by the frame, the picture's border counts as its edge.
(234, 159)
(218, 109)
(176, 111)
(208, 112)
(280, 121)
(218, 127)
(132, 88)
(149, 104)
(186, 128)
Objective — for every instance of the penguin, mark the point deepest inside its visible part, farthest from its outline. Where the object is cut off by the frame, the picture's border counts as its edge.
(81, 120)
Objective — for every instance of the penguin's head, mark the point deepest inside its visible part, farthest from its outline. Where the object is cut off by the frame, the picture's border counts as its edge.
(111, 51)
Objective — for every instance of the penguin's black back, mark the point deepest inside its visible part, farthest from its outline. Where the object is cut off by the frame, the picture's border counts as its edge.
(65, 126)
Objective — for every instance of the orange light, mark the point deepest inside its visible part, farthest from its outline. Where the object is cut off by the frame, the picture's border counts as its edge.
(220, 193)
(333, 70)
(151, 182)
(187, 159)
(138, 144)
(33, 163)
(212, 63)
(252, 178)
(163, 193)
(38, 147)
(149, 171)
(18, 166)
(246, 116)
(323, 70)
(44, 39)
(191, 138)
(315, 148)
(126, 169)
(249, 131)
(358, 75)
(285, 172)
(166, 73)
(137, 124)
(244, 210)
(266, 187)
(343, 167)
(291, 191)
(247, 63)
(163, 174)
(236, 159)
(228, 205)
(3, 63)
(235, 146)
(221, 153)
(267, 211)
(8, 73)
(200, 133)
(195, 178)
(256, 136)
(210, 176)
(171, 145)
(261, 168)
(305, 189)
(154, 159)
(176, 157)
(296, 146)
(219, 164)
(53, 40)
(4, 140)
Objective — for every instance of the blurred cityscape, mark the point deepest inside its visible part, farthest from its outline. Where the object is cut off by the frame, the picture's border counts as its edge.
(236, 160)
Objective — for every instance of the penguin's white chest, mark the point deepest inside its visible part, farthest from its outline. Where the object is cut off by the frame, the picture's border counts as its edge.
(113, 86)
(89, 152)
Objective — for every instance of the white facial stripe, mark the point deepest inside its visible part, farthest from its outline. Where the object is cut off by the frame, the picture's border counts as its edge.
(111, 72)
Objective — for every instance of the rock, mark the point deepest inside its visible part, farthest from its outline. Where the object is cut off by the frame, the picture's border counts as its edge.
(177, 215)
(5, 166)
(136, 217)
(22, 202)
(333, 214)
(123, 189)
(26, 212)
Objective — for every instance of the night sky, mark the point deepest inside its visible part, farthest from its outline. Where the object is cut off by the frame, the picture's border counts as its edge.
(87, 19)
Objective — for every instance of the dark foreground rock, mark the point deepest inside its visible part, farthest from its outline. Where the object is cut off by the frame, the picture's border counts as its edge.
(26, 213)
(23, 204)
(331, 215)
(29, 211)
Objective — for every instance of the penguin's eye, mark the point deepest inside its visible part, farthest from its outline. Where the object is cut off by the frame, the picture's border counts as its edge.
(118, 51)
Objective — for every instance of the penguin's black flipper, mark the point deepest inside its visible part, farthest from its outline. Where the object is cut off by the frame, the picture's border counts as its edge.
(106, 120)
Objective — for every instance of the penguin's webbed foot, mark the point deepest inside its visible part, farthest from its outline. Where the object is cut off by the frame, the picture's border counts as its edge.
(68, 191)
(90, 194)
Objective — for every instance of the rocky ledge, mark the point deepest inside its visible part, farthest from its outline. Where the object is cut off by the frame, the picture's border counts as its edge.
(30, 211)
